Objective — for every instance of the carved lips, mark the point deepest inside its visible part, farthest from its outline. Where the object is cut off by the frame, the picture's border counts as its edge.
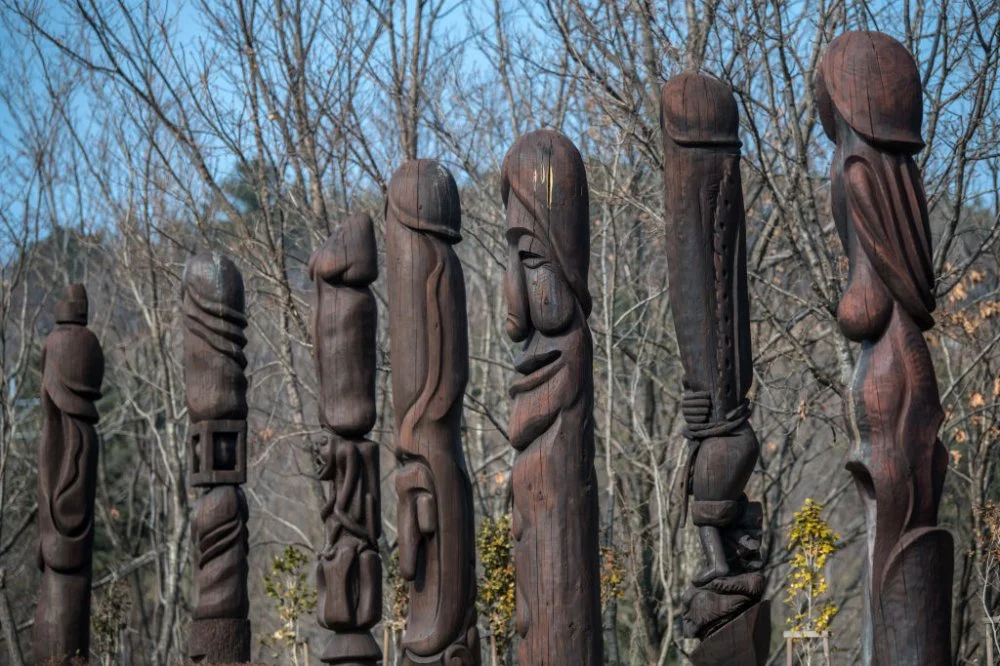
(555, 512)
(547, 387)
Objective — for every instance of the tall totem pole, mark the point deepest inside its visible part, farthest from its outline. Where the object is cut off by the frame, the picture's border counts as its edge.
(430, 367)
(706, 257)
(556, 559)
(214, 364)
(349, 574)
(72, 371)
(869, 97)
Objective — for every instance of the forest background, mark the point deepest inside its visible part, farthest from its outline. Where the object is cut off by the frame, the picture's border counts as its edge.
(134, 133)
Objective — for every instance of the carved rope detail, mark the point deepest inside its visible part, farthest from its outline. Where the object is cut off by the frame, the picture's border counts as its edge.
(706, 254)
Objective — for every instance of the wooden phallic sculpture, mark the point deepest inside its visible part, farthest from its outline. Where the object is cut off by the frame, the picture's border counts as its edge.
(430, 367)
(349, 573)
(72, 371)
(706, 257)
(214, 320)
(555, 515)
(869, 98)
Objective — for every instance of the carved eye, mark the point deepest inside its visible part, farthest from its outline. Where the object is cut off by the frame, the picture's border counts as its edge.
(532, 260)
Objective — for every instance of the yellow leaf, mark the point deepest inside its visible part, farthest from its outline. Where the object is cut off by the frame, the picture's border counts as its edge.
(958, 293)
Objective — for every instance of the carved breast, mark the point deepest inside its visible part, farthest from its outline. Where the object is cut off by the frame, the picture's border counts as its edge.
(866, 306)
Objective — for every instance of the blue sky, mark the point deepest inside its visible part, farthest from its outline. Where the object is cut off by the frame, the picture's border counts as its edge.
(13, 47)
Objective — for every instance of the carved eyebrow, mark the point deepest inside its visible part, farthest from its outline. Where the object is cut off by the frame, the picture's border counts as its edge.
(529, 243)
(514, 234)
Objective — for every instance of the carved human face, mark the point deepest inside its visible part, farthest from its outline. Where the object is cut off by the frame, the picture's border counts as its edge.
(543, 310)
(538, 294)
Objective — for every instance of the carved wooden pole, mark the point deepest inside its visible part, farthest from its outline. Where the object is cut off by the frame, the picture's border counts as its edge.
(72, 371)
(214, 364)
(869, 96)
(430, 367)
(349, 574)
(556, 557)
(706, 256)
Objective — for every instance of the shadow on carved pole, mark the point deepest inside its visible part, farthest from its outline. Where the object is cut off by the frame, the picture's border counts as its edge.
(430, 368)
(706, 256)
(214, 364)
(349, 573)
(870, 102)
(556, 560)
(72, 371)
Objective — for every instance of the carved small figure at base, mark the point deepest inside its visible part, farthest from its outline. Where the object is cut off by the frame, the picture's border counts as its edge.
(555, 513)
(349, 573)
(706, 257)
(429, 347)
(72, 372)
(870, 101)
(214, 364)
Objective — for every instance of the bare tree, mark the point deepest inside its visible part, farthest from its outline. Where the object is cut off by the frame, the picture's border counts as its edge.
(141, 132)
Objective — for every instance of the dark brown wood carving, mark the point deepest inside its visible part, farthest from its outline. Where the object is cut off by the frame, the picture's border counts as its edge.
(706, 258)
(430, 367)
(349, 573)
(72, 371)
(214, 364)
(869, 96)
(555, 515)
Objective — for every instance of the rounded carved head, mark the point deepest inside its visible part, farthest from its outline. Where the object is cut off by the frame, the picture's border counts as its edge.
(699, 110)
(349, 256)
(73, 308)
(214, 279)
(545, 173)
(424, 197)
(871, 81)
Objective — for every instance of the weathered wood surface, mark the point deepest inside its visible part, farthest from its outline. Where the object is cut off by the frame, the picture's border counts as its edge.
(216, 386)
(344, 322)
(870, 103)
(706, 257)
(555, 521)
(430, 367)
(72, 368)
